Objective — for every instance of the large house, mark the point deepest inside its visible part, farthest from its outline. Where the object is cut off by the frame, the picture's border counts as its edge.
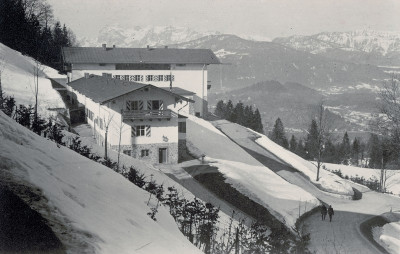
(141, 120)
(160, 67)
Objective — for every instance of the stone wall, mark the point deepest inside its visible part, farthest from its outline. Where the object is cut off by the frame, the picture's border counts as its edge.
(182, 149)
(135, 151)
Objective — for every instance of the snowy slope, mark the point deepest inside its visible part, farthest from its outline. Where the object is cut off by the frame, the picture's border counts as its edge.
(328, 181)
(393, 176)
(18, 81)
(247, 175)
(95, 200)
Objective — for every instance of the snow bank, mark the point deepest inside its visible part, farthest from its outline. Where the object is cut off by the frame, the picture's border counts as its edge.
(212, 142)
(388, 234)
(390, 237)
(328, 181)
(283, 200)
(95, 200)
(18, 81)
(393, 176)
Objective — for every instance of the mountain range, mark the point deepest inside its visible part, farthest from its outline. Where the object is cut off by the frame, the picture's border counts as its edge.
(362, 46)
(139, 37)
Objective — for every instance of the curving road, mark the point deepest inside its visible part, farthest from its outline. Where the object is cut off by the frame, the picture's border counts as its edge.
(342, 235)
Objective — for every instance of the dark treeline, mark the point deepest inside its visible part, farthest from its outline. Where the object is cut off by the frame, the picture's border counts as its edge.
(29, 27)
(240, 114)
(377, 152)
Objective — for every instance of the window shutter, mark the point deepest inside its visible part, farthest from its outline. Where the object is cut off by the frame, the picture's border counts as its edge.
(133, 131)
(148, 131)
(161, 105)
(128, 105)
(140, 105)
(149, 105)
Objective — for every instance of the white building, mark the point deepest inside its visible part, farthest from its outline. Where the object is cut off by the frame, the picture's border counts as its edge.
(161, 67)
(141, 120)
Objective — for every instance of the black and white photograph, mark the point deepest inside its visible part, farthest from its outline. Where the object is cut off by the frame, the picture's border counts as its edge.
(200, 126)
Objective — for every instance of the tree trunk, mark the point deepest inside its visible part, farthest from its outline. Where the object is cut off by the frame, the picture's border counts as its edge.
(105, 143)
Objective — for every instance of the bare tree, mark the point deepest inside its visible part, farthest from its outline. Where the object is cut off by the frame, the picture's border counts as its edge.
(107, 122)
(37, 70)
(323, 131)
(387, 124)
(1, 88)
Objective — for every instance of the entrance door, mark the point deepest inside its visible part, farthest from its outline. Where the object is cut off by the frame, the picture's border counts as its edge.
(162, 155)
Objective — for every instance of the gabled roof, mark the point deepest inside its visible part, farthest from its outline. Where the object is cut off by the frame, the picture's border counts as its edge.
(178, 90)
(138, 55)
(102, 89)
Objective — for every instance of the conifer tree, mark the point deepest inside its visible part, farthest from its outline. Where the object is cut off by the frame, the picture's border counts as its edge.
(229, 111)
(375, 152)
(345, 149)
(220, 109)
(258, 126)
(312, 142)
(356, 151)
(278, 134)
(293, 144)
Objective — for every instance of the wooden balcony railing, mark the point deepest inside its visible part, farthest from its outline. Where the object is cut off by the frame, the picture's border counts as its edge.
(146, 114)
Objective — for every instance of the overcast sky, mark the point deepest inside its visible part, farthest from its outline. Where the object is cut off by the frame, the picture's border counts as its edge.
(266, 18)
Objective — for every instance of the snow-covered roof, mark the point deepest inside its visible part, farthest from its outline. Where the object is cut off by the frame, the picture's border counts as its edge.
(138, 55)
(102, 89)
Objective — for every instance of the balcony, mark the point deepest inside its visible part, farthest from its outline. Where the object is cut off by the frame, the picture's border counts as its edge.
(146, 114)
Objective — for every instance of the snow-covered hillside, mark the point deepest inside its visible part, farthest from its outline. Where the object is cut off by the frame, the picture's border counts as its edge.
(17, 80)
(328, 181)
(142, 36)
(106, 210)
(393, 176)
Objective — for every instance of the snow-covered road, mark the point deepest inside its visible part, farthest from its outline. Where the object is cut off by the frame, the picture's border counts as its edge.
(343, 234)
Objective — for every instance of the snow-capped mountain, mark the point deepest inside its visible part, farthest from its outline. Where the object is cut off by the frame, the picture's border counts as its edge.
(142, 36)
(367, 46)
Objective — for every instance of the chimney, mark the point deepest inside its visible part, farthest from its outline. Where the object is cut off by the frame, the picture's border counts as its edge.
(87, 75)
(165, 47)
(113, 46)
(148, 47)
(104, 46)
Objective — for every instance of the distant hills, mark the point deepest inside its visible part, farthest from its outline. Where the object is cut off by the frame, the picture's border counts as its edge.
(250, 62)
(364, 46)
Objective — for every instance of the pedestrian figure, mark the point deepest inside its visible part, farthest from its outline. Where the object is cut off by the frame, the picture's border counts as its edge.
(330, 213)
(323, 211)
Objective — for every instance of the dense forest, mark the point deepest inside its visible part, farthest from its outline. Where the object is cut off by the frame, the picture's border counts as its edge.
(30, 27)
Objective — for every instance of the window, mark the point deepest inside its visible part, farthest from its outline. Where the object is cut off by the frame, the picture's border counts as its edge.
(101, 123)
(182, 127)
(149, 77)
(141, 131)
(136, 78)
(180, 65)
(102, 64)
(134, 105)
(158, 77)
(155, 105)
(169, 77)
(127, 152)
(144, 153)
(89, 114)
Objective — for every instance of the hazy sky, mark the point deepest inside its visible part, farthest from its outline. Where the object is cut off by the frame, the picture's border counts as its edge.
(267, 18)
